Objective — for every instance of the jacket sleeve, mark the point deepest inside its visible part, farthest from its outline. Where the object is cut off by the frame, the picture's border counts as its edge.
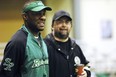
(88, 73)
(12, 60)
(85, 62)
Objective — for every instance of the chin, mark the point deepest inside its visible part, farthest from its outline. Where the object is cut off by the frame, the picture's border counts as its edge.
(41, 29)
(64, 34)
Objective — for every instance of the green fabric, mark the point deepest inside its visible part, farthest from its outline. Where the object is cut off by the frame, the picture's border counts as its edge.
(36, 62)
(35, 6)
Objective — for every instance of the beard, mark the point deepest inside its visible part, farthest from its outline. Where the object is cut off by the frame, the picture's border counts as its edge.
(61, 35)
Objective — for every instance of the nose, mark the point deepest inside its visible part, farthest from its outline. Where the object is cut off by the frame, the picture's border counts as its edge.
(63, 23)
(43, 17)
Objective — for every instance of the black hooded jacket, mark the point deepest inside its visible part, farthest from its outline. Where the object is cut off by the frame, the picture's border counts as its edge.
(60, 63)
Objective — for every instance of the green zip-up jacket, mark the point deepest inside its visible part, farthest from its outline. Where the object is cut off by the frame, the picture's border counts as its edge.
(25, 56)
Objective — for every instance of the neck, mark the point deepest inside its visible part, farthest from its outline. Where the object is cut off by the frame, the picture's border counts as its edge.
(34, 32)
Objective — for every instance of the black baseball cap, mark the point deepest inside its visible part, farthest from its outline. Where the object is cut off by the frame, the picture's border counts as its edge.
(60, 14)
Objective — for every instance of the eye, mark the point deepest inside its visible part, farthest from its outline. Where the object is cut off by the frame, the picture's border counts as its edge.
(34, 13)
(40, 13)
(67, 22)
(59, 21)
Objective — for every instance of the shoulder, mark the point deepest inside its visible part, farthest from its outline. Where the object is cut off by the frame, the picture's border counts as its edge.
(74, 42)
(18, 39)
(50, 41)
(48, 38)
(20, 35)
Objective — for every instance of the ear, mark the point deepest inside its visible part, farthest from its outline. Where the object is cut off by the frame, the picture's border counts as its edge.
(24, 16)
(52, 29)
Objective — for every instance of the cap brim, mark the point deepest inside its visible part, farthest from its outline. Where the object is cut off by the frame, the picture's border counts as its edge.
(41, 8)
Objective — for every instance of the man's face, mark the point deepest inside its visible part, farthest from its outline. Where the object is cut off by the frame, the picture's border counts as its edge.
(62, 27)
(36, 20)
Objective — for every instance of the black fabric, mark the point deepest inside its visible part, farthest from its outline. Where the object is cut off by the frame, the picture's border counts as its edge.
(88, 73)
(60, 63)
(65, 46)
(15, 51)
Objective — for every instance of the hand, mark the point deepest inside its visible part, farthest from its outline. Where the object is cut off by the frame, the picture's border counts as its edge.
(84, 74)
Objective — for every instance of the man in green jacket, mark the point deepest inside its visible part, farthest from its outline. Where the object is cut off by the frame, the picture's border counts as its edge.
(25, 55)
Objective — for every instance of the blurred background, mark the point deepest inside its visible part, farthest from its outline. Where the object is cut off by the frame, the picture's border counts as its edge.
(94, 28)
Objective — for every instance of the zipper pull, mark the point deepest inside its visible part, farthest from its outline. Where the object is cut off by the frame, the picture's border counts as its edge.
(67, 57)
(71, 76)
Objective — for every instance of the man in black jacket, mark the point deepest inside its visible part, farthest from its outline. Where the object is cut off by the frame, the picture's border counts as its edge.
(63, 51)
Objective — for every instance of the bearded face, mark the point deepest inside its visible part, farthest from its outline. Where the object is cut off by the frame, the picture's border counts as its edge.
(61, 27)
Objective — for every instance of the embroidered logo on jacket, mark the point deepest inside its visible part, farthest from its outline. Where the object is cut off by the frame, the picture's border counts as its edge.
(77, 60)
(8, 64)
(37, 63)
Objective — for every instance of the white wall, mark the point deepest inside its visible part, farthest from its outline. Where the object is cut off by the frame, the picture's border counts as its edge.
(94, 15)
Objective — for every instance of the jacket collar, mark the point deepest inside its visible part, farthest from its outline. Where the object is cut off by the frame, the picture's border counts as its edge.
(52, 40)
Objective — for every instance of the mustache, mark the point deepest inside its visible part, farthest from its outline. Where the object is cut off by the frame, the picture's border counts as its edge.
(42, 21)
